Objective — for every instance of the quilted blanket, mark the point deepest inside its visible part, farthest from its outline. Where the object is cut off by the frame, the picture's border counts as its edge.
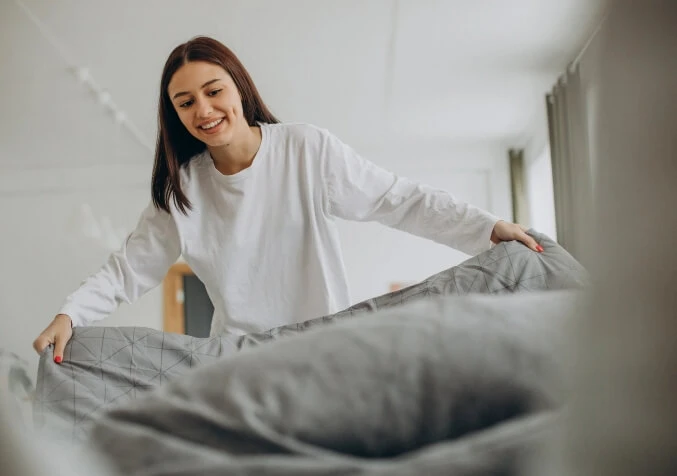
(108, 366)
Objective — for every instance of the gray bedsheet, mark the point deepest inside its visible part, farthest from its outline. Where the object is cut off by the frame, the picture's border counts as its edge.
(449, 386)
(321, 393)
(106, 366)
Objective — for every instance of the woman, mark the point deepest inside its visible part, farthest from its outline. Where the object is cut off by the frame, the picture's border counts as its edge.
(250, 204)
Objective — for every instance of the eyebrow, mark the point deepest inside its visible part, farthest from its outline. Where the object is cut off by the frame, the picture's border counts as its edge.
(184, 93)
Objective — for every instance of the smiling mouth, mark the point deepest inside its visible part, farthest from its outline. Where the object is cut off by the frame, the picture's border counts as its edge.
(211, 125)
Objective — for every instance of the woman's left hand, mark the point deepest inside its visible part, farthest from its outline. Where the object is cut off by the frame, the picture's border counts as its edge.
(504, 231)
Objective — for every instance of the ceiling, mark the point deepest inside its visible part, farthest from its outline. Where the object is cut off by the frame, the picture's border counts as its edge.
(396, 70)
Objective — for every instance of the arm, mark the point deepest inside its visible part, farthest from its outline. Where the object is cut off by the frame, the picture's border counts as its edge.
(137, 267)
(359, 190)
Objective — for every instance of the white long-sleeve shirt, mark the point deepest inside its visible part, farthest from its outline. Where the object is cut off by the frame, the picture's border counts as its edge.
(264, 240)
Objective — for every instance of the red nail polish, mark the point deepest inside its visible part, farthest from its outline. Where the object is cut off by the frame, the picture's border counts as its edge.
(57, 359)
(539, 248)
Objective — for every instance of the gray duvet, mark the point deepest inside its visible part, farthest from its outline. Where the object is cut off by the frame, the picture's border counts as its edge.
(432, 385)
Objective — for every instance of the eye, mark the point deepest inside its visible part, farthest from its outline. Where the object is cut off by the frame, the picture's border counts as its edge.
(186, 104)
(213, 92)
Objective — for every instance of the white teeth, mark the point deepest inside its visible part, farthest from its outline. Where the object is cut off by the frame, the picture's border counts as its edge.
(211, 124)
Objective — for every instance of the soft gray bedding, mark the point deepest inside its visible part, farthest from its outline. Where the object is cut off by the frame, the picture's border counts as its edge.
(461, 374)
(16, 385)
(111, 365)
(449, 386)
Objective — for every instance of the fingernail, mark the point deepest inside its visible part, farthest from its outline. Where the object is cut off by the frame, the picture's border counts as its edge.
(57, 359)
(539, 248)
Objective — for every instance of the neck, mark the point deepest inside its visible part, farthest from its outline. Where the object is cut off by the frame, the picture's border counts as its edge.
(239, 154)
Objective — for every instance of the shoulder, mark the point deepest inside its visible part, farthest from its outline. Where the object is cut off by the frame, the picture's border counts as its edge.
(299, 132)
(194, 172)
(191, 170)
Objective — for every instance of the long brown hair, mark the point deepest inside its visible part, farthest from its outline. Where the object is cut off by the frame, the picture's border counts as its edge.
(175, 146)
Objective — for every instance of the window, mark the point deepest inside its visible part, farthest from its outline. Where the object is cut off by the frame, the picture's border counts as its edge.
(540, 194)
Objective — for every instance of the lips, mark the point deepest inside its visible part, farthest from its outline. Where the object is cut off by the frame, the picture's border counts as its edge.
(210, 125)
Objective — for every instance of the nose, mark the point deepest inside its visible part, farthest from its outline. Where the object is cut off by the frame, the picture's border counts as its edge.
(204, 108)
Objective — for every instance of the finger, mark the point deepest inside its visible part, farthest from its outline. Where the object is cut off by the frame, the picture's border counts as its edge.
(59, 346)
(41, 343)
(531, 243)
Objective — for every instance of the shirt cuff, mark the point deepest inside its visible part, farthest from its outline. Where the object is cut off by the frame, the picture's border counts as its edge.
(72, 312)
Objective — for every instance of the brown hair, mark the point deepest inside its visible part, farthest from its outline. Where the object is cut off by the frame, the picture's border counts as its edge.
(175, 146)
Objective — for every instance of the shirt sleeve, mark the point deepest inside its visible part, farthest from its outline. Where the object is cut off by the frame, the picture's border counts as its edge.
(358, 189)
(137, 267)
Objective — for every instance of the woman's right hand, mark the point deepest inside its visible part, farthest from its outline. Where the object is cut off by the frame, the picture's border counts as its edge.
(58, 333)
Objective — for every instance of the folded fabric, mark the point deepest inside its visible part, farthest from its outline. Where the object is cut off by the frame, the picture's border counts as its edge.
(457, 385)
(106, 366)
(16, 385)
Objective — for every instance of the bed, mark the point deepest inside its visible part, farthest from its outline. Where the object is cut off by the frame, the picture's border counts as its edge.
(454, 375)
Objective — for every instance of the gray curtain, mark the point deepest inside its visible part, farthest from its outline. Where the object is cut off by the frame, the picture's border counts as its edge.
(570, 155)
(520, 203)
(623, 419)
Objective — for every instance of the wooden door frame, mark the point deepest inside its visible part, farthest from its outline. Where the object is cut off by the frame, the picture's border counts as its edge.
(174, 319)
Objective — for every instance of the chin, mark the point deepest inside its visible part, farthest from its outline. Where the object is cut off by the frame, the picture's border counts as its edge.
(218, 140)
(216, 143)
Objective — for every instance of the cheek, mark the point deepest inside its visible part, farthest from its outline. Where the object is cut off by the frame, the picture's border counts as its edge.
(185, 119)
(235, 105)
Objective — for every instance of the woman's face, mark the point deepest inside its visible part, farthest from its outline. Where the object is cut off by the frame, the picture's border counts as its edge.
(207, 102)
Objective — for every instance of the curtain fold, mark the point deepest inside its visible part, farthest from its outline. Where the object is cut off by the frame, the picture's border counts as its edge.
(520, 202)
(570, 156)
